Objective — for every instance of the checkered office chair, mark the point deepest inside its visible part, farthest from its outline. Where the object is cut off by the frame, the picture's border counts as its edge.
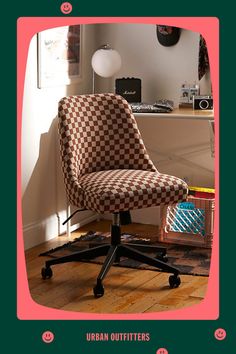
(107, 170)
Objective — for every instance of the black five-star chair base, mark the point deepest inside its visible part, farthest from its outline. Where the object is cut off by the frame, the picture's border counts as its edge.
(113, 252)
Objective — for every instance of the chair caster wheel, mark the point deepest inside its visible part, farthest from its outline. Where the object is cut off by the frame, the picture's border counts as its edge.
(46, 272)
(174, 281)
(98, 290)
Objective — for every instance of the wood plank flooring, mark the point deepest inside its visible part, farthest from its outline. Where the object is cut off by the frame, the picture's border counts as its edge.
(126, 290)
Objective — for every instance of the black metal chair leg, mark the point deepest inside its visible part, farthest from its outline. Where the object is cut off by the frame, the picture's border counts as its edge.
(146, 248)
(80, 255)
(161, 252)
(174, 280)
(128, 252)
(111, 256)
(93, 244)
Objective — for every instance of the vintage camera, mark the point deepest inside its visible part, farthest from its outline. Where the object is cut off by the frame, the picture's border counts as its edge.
(202, 102)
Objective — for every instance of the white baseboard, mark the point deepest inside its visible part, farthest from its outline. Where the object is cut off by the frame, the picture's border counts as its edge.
(42, 231)
(79, 224)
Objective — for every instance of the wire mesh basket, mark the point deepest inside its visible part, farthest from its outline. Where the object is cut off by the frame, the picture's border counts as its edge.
(188, 223)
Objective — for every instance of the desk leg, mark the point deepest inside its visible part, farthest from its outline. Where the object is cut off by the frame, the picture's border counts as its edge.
(212, 137)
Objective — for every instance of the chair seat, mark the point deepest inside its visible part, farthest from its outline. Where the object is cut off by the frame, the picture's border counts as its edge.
(119, 190)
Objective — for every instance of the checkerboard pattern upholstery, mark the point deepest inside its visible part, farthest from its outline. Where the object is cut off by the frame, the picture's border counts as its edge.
(105, 164)
(116, 190)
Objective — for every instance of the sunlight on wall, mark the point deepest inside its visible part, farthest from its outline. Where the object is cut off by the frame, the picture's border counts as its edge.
(43, 195)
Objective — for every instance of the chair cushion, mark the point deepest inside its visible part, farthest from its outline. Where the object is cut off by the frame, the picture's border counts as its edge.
(120, 190)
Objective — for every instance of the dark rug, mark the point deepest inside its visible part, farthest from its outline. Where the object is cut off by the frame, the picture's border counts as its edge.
(188, 259)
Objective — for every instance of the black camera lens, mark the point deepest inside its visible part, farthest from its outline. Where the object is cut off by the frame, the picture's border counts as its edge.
(203, 104)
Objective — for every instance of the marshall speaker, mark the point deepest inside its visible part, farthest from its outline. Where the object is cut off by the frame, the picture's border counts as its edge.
(129, 88)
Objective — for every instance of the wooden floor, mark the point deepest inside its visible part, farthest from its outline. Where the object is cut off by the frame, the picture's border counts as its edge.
(126, 290)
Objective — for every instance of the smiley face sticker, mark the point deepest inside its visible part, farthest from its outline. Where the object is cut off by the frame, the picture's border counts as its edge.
(220, 334)
(66, 8)
(162, 351)
(48, 337)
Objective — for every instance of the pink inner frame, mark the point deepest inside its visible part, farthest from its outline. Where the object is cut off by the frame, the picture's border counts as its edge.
(27, 309)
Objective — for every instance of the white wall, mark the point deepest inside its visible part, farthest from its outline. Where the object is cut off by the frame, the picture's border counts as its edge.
(162, 69)
(43, 197)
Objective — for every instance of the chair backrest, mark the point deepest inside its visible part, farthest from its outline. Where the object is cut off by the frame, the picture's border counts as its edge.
(99, 132)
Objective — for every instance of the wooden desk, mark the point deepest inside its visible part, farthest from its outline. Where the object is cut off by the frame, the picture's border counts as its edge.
(181, 113)
(188, 114)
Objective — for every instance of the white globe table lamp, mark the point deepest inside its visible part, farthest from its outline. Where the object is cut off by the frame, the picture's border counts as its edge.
(105, 62)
